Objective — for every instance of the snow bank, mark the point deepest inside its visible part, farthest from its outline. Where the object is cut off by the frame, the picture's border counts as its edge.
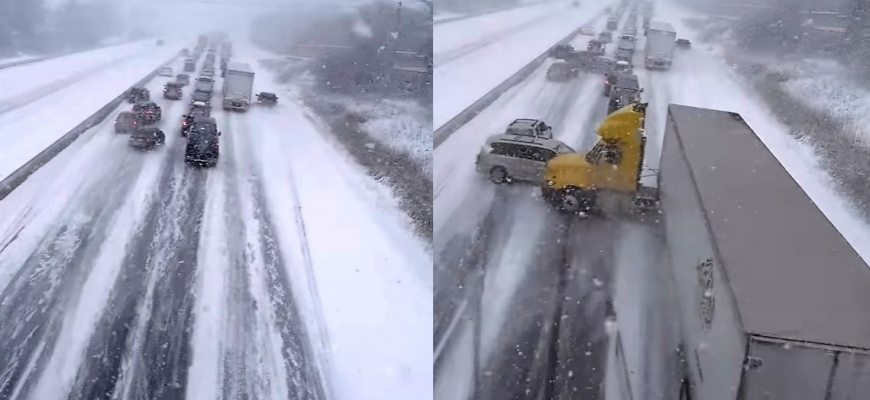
(472, 57)
(350, 253)
(27, 130)
(699, 68)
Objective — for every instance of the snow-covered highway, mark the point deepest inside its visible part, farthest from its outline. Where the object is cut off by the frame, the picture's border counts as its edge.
(284, 272)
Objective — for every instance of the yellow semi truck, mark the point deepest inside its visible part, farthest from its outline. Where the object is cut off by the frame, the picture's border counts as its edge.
(606, 180)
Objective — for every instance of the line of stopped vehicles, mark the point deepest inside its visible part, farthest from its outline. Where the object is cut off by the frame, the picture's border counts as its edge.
(607, 178)
(197, 125)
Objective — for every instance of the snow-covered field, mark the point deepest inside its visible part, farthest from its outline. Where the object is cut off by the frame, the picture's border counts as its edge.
(43, 101)
(705, 67)
(284, 272)
(824, 85)
(474, 56)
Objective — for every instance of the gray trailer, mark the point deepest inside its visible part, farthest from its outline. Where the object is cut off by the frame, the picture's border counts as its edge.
(774, 302)
(238, 86)
(661, 41)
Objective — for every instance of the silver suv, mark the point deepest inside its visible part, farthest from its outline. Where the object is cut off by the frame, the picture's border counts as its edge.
(508, 158)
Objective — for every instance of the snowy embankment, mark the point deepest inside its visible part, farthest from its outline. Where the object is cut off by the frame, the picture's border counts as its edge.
(42, 102)
(447, 16)
(824, 86)
(705, 67)
(474, 56)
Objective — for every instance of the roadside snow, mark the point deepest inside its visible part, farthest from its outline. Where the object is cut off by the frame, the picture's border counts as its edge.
(701, 68)
(374, 279)
(474, 66)
(21, 80)
(28, 130)
(362, 280)
(402, 125)
(821, 85)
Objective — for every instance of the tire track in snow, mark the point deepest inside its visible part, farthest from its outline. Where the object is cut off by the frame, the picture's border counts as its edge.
(303, 379)
(51, 278)
(99, 373)
(145, 352)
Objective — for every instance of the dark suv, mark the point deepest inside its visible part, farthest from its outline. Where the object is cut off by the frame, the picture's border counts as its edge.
(151, 112)
(172, 91)
(203, 146)
(146, 138)
(128, 121)
(624, 91)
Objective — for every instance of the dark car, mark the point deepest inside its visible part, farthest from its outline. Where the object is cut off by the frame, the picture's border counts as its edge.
(151, 112)
(624, 55)
(564, 52)
(203, 146)
(624, 91)
(146, 137)
(128, 121)
(138, 94)
(172, 91)
(595, 47)
(183, 79)
(267, 98)
(198, 108)
(622, 80)
(202, 96)
(684, 43)
(204, 84)
(186, 124)
(561, 71)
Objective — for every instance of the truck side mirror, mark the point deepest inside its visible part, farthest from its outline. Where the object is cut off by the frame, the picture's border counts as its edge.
(220, 133)
(641, 90)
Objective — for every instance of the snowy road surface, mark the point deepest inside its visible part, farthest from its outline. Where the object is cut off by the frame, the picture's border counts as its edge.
(547, 281)
(474, 56)
(43, 101)
(281, 273)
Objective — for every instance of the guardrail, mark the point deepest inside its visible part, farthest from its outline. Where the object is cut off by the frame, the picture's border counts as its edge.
(444, 131)
(63, 54)
(15, 179)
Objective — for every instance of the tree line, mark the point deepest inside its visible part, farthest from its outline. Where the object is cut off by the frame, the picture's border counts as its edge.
(34, 27)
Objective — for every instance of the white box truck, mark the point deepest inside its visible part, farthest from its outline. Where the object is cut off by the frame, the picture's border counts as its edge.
(661, 40)
(774, 302)
(238, 86)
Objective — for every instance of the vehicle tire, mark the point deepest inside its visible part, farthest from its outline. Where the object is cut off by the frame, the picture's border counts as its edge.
(570, 203)
(499, 175)
(685, 390)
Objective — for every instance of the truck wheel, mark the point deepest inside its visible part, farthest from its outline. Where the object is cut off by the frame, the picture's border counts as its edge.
(571, 203)
(498, 175)
(685, 390)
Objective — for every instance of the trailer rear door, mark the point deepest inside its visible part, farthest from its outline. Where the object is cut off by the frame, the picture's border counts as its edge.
(778, 369)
